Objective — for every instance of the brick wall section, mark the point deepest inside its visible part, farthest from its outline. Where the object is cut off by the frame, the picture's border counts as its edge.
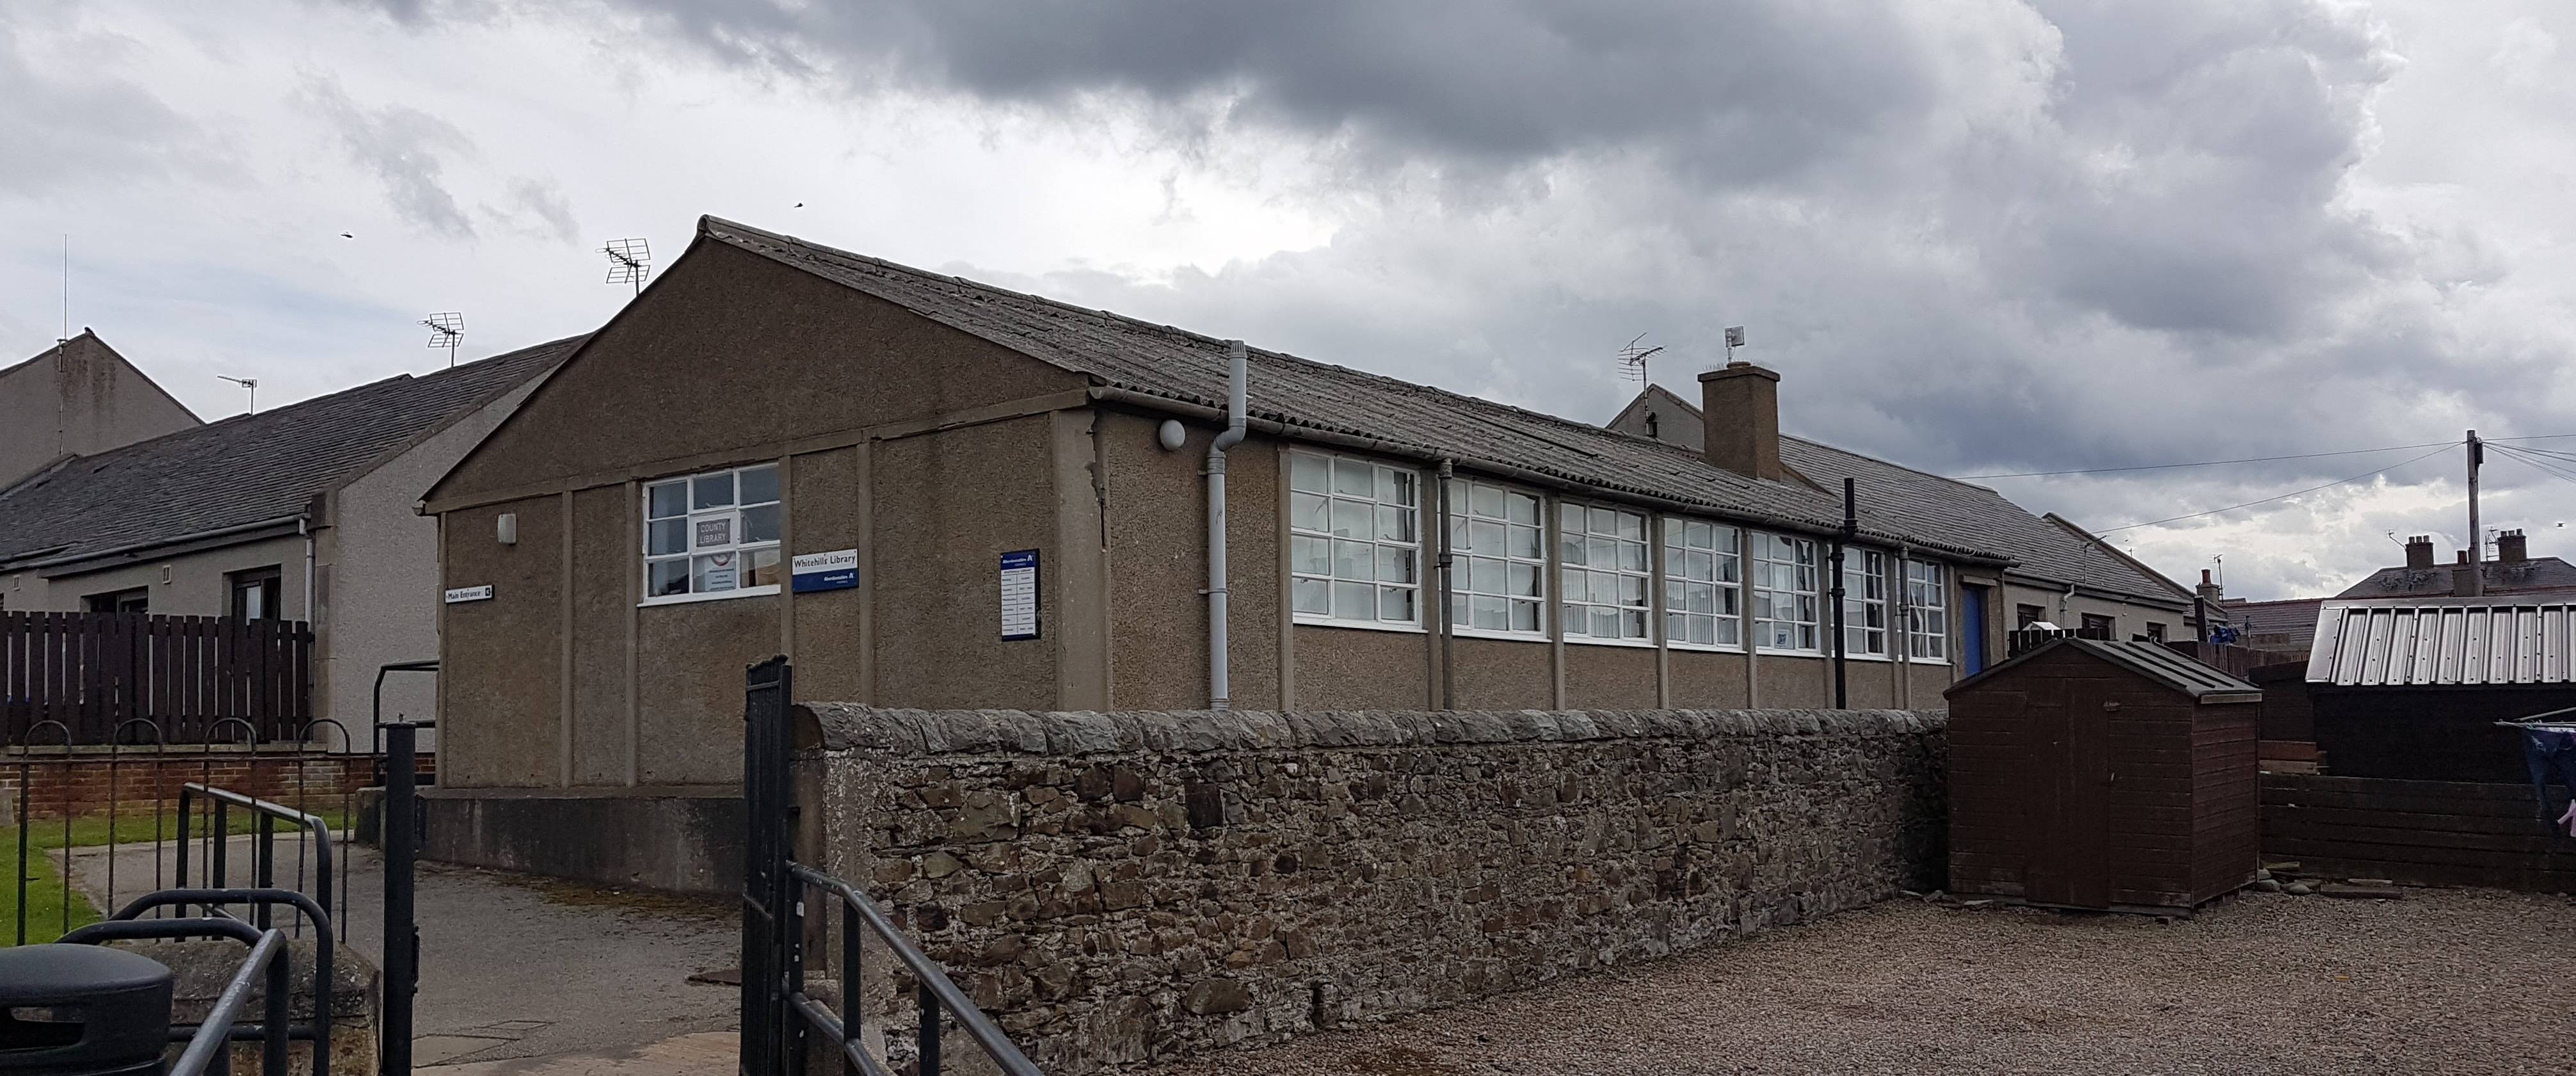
(83, 784)
(1118, 888)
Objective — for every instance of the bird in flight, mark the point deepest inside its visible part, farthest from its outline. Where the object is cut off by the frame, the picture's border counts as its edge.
(346, 235)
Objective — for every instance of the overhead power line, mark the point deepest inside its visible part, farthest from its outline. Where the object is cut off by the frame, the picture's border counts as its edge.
(2212, 463)
(2445, 447)
(2556, 464)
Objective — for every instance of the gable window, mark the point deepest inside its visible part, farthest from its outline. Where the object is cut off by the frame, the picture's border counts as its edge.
(712, 534)
(1865, 603)
(1784, 592)
(1494, 534)
(1927, 603)
(254, 594)
(1354, 551)
(1606, 580)
(1703, 584)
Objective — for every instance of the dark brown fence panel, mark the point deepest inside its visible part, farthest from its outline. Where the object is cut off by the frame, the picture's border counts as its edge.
(2434, 832)
(92, 672)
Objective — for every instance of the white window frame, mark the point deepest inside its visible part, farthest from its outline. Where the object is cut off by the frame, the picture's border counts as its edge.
(1865, 603)
(1927, 611)
(1804, 572)
(1605, 529)
(1499, 556)
(1395, 560)
(694, 519)
(1724, 581)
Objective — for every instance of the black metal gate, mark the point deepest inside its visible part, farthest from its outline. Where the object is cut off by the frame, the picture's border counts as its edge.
(780, 1020)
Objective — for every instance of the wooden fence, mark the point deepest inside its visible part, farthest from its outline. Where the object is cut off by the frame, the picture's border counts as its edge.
(2432, 832)
(93, 672)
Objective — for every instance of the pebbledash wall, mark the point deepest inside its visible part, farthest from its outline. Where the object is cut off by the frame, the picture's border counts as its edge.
(1117, 888)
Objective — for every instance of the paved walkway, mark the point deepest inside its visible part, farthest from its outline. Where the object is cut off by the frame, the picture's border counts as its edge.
(514, 966)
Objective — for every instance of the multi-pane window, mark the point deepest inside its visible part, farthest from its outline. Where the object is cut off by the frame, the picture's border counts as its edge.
(1927, 602)
(1607, 577)
(1703, 586)
(1865, 602)
(1784, 592)
(712, 533)
(1355, 551)
(2097, 626)
(1494, 534)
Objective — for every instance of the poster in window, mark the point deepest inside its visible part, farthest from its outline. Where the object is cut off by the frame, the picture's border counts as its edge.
(719, 572)
(715, 532)
(1019, 595)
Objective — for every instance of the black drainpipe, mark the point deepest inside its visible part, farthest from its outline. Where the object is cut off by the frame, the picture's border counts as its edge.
(1850, 529)
(1448, 629)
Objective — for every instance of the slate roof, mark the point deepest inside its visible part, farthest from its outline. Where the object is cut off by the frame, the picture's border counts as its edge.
(2502, 577)
(1175, 364)
(2046, 548)
(2288, 616)
(247, 469)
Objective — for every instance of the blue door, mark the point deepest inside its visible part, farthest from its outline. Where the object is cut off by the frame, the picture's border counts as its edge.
(1972, 615)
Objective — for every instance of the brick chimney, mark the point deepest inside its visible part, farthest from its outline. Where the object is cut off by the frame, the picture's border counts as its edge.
(2208, 591)
(2419, 551)
(2512, 548)
(1741, 405)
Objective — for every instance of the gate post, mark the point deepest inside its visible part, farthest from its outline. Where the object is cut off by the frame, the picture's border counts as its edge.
(768, 1028)
(398, 833)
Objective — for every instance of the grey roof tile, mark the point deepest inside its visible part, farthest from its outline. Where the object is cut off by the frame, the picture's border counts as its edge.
(247, 469)
(1175, 364)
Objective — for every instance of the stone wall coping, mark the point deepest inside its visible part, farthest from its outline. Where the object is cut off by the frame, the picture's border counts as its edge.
(846, 726)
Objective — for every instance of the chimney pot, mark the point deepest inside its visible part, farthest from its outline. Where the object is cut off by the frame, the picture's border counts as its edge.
(2462, 557)
(2419, 551)
(1740, 405)
(2512, 547)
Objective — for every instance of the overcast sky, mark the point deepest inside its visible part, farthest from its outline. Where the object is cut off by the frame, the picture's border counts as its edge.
(1975, 236)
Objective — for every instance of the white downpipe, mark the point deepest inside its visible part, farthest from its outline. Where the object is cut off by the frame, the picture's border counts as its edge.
(1238, 362)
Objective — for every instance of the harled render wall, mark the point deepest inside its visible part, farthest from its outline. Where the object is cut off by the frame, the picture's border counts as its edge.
(1121, 888)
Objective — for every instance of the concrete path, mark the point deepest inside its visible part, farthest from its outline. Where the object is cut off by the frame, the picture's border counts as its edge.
(515, 966)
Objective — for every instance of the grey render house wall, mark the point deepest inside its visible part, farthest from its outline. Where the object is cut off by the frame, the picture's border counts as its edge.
(77, 398)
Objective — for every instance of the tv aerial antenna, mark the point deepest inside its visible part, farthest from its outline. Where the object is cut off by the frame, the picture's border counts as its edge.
(1734, 339)
(629, 261)
(249, 383)
(447, 330)
(1634, 357)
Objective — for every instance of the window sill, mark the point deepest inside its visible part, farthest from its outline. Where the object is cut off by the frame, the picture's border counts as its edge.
(1787, 653)
(1586, 640)
(1703, 648)
(716, 596)
(1499, 636)
(1943, 662)
(1309, 620)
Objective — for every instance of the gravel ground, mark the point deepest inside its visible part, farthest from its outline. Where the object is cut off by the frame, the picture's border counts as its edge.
(2450, 981)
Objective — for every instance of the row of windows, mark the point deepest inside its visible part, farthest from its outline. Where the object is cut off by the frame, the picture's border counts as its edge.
(1355, 557)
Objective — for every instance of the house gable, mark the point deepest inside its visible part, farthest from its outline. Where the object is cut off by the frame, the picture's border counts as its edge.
(730, 352)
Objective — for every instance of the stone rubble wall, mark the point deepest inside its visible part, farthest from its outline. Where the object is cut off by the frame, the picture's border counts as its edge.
(1126, 887)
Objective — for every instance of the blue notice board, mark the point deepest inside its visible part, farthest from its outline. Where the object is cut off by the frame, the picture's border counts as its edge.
(1019, 595)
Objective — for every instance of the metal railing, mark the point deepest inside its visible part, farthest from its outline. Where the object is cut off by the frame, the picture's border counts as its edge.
(208, 1050)
(64, 788)
(778, 1011)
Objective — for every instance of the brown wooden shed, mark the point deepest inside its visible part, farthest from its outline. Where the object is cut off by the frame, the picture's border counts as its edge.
(2088, 773)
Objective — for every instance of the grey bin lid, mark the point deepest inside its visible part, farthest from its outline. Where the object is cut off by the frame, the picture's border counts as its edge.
(50, 974)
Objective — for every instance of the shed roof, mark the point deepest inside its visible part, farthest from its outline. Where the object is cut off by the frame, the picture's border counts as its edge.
(2154, 661)
(245, 470)
(1174, 364)
(2434, 642)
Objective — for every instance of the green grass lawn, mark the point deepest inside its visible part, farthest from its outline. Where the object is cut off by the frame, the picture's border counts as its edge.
(49, 913)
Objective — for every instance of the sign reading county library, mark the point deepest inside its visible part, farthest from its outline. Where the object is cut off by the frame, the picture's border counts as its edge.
(1019, 595)
(835, 570)
(469, 594)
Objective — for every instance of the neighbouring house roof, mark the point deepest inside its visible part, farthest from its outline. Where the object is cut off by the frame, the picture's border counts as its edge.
(2155, 661)
(2443, 641)
(2296, 617)
(2502, 577)
(2048, 549)
(246, 470)
(1164, 363)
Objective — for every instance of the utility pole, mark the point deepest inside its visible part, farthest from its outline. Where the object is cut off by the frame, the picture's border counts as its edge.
(2477, 539)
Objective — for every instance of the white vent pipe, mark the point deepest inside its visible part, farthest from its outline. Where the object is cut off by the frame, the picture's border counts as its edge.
(1238, 362)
